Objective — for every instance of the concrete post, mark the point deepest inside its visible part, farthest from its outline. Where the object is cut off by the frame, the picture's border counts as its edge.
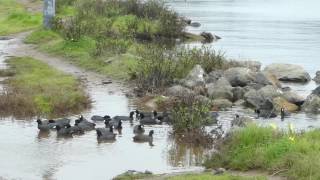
(49, 11)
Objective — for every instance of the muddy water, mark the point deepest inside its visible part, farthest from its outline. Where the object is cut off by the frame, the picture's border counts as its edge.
(26, 154)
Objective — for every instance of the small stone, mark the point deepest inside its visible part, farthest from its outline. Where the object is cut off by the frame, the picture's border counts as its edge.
(195, 24)
(4, 38)
(108, 61)
(219, 171)
(286, 88)
(129, 94)
(147, 172)
(106, 82)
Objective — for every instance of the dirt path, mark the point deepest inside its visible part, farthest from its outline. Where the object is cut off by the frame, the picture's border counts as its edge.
(91, 80)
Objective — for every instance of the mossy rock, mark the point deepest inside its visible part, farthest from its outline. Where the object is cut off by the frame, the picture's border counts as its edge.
(221, 103)
(280, 102)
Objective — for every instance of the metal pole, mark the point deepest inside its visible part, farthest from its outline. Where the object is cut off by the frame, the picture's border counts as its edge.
(49, 11)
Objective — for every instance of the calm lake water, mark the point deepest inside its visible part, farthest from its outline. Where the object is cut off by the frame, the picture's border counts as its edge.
(268, 31)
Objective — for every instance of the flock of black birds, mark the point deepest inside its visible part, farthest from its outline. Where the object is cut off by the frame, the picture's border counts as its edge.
(81, 125)
(106, 133)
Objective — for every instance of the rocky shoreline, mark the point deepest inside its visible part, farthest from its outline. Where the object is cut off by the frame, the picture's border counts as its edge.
(247, 85)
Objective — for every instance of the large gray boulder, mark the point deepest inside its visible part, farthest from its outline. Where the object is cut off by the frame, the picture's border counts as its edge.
(317, 78)
(261, 79)
(288, 72)
(221, 103)
(221, 89)
(316, 91)
(257, 100)
(263, 100)
(214, 76)
(293, 98)
(179, 91)
(312, 104)
(253, 98)
(253, 65)
(239, 76)
(238, 93)
(269, 92)
(195, 77)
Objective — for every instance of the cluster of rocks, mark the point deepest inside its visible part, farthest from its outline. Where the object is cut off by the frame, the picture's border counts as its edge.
(247, 85)
(208, 37)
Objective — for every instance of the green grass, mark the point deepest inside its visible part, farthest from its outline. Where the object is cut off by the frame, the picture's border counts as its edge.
(104, 38)
(15, 18)
(42, 36)
(37, 89)
(81, 53)
(295, 155)
(210, 176)
(198, 176)
(129, 176)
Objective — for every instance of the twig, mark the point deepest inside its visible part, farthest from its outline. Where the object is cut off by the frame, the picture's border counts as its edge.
(280, 171)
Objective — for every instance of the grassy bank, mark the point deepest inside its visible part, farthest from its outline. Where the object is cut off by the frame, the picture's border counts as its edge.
(37, 89)
(107, 38)
(81, 53)
(15, 18)
(185, 176)
(295, 156)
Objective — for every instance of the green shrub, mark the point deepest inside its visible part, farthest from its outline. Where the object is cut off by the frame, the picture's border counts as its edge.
(158, 67)
(295, 155)
(62, 5)
(146, 26)
(190, 116)
(125, 25)
(124, 18)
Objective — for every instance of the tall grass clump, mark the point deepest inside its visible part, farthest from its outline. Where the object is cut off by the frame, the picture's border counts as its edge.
(189, 118)
(37, 89)
(293, 155)
(159, 67)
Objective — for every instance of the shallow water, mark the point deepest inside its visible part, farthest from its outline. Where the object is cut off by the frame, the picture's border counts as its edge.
(268, 31)
(26, 154)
